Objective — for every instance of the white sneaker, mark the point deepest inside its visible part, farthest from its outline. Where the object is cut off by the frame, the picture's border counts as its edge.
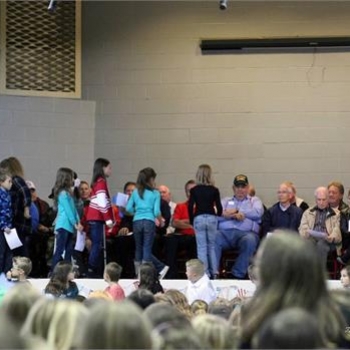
(163, 272)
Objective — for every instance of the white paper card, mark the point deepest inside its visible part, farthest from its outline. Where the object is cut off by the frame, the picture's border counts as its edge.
(80, 242)
(318, 234)
(12, 239)
(122, 199)
(349, 226)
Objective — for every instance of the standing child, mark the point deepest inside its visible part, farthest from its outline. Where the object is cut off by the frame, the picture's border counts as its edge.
(111, 276)
(204, 206)
(144, 203)
(5, 219)
(345, 277)
(67, 220)
(98, 214)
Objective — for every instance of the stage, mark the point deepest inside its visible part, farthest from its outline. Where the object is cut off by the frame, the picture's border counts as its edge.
(226, 288)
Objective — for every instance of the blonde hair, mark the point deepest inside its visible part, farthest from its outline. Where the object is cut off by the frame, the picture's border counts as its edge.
(199, 307)
(13, 166)
(196, 266)
(100, 294)
(23, 263)
(179, 300)
(203, 175)
(118, 325)
(56, 321)
(214, 331)
(18, 301)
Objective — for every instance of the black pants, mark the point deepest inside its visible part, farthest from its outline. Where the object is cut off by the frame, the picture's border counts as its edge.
(173, 245)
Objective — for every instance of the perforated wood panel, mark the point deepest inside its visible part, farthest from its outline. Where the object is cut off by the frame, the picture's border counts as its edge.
(40, 50)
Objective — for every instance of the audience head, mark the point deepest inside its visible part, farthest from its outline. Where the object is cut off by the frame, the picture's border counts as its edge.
(251, 191)
(289, 284)
(13, 166)
(149, 278)
(188, 186)
(335, 193)
(100, 294)
(56, 321)
(102, 168)
(165, 193)
(18, 301)
(321, 197)
(285, 194)
(241, 186)
(9, 337)
(164, 314)
(118, 326)
(179, 301)
(293, 328)
(21, 268)
(199, 307)
(142, 297)
(345, 276)
(204, 175)
(129, 187)
(220, 307)
(214, 331)
(5, 179)
(112, 272)
(84, 190)
(253, 274)
(194, 270)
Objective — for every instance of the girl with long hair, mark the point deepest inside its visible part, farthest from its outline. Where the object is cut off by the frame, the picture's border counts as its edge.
(98, 214)
(67, 220)
(149, 279)
(204, 206)
(61, 281)
(144, 204)
(21, 200)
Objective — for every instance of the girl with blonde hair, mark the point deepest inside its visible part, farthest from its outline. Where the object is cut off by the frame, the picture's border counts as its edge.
(56, 321)
(204, 206)
(179, 300)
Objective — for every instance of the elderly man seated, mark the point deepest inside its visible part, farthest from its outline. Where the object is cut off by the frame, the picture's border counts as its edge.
(239, 226)
(321, 224)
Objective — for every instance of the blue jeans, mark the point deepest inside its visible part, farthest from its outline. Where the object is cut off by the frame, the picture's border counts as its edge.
(64, 243)
(96, 235)
(144, 231)
(245, 242)
(205, 227)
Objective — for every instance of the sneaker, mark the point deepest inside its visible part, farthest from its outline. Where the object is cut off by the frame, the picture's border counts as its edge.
(340, 260)
(163, 272)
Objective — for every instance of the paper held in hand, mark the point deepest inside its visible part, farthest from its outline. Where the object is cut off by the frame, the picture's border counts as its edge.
(318, 234)
(80, 242)
(121, 199)
(12, 239)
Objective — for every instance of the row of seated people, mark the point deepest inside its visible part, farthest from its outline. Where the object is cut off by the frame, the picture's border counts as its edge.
(235, 232)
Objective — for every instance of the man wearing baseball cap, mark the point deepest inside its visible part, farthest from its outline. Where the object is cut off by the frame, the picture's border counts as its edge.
(239, 226)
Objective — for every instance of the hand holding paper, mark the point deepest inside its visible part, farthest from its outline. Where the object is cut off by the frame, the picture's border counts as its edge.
(12, 239)
(318, 234)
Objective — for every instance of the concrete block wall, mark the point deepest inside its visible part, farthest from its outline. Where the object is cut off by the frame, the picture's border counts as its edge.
(47, 133)
(160, 103)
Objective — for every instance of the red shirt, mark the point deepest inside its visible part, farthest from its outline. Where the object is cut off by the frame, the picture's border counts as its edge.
(116, 292)
(181, 213)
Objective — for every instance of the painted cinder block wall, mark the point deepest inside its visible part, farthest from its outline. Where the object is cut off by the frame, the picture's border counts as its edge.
(161, 103)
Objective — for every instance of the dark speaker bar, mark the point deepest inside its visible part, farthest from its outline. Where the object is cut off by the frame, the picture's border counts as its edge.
(232, 45)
